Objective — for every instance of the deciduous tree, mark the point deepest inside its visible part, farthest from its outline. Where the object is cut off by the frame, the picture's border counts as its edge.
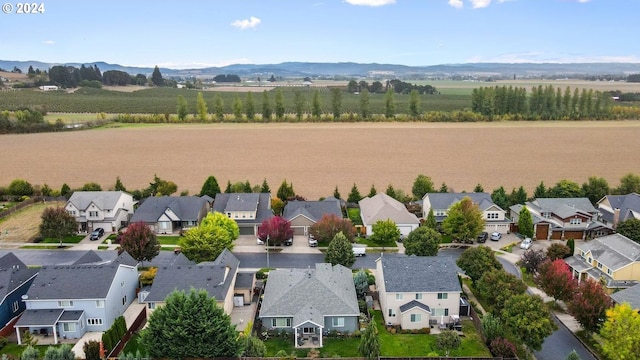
(630, 228)
(340, 251)
(57, 223)
(140, 242)
(448, 340)
(299, 103)
(555, 279)
(422, 241)
(316, 105)
(203, 111)
(329, 226)
(218, 107)
(630, 183)
(249, 106)
(492, 327)
(190, 326)
(503, 348)
(621, 333)
(210, 187)
(336, 103)
(384, 232)
(589, 305)
(389, 104)
(414, 103)
(285, 191)
(595, 188)
(205, 242)
(558, 251)
(181, 108)
(237, 108)
(565, 189)
(475, 261)
(531, 260)
(464, 221)
(91, 186)
(525, 222)
(365, 104)
(421, 186)
(529, 318)
(20, 187)
(254, 347)
(266, 107)
(497, 286)
(276, 230)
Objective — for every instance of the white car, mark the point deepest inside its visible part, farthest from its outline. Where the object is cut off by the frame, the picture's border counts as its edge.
(526, 244)
(259, 242)
(495, 236)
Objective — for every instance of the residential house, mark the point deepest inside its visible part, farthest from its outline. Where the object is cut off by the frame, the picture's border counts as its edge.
(612, 259)
(303, 214)
(382, 207)
(69, 300)
(563, 218)
(417, 292)
(171, 214)
(617, 208)
(218, 278)
(249, 210)
(495, 218)
(109, 210)
(15, 280)
(629, 295)
(310, 302)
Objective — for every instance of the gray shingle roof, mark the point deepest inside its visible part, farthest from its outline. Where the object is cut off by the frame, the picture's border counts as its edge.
(420, 274)
(626, 203)
(613, 251)
(187, 208)
(442, 201)
(89, 258)
(310, 294)
(40, 317)
(384, 207)
(103, 199)
(214, 277)
(561, 204)
(630, 295)
(412, 304)
(263, 212)
(314, 210)
(13, 274)
(244, 280)
(71, 315)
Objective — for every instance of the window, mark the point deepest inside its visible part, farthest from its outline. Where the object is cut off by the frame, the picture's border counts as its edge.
(93, 214)
(590, 260)
(15, 306)
(581, 253)
(609, 272)
(446, 312)
(71, 212)
(94, 321)
(599, 264)
(398, 296)
(151, 306)
(443, 296)
(337, 322)
(124, 300)
(492, 215)
(418, 296)
(99, 303)
(575, 221)
(546, 215)
(416, 318)
(281, 322)
(440, 213)
(68, 327)
(65, 303)
(392, 313)
(229, 215)
(164, 225)
(308, 330)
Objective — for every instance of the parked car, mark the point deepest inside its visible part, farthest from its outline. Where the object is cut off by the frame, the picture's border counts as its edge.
(483, 237)
(313, 242)
(526, 243)
(259, 242)
(288, 242)
(96, 234)
(495, 236)
(359, 250)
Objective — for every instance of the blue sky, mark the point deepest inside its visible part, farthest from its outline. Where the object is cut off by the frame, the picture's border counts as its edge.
(188, 34)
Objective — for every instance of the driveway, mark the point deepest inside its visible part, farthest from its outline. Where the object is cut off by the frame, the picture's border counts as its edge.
(248, 244)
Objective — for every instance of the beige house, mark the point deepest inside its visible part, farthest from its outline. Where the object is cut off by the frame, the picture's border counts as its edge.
(613, 259)
(382, 207)
(109, 210)
(418, 292)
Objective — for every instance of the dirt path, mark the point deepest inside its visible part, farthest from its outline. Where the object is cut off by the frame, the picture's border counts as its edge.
(22, 226)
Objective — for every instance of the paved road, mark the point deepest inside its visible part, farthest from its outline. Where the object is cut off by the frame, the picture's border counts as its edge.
(559, 344)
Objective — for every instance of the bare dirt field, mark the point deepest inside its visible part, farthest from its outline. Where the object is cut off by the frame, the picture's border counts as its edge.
(240, 88)
(21, 227)
(317, 157)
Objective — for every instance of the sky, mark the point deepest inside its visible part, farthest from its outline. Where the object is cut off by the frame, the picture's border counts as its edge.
(195, 34)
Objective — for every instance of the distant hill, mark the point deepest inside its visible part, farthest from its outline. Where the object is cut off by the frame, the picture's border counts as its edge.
(351, 69)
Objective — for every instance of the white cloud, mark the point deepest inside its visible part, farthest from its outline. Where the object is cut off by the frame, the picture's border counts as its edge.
(478, 4)
(458, 4)
(246, 23)
(371, 2)
(48, 42)
(543, 57)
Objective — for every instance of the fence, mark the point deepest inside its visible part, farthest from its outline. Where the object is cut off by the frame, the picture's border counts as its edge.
(23, 204)
(135, 326)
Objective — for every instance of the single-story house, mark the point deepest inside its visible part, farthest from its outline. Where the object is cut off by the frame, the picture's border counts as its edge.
(382, 207)
(171, 214)
(495, 218)
(249, 210)
(109, 210)
(303, 214)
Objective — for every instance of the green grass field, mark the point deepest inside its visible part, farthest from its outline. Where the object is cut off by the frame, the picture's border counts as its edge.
(73, 239)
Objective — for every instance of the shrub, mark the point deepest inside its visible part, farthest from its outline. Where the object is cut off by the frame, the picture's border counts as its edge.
(3, 341)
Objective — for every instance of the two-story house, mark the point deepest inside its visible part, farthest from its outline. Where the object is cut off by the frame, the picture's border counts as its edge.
(248, 210)
(15, 280)
(495, 218)
(109, 210)
(303, 214)
(382, 207)
(563, 218)
(70, 300)
(417, 292)
(310, 302)
(617, 208)
(171, 214)
(612, 259)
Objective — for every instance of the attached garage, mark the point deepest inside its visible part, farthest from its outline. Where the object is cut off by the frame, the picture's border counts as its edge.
(576, 235)
(247, 230)
(542, 232)
(298, 230)
(406, 229)
(556, 235)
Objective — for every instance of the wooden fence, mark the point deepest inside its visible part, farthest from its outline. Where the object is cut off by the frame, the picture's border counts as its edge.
(23, 204)
(135, 326)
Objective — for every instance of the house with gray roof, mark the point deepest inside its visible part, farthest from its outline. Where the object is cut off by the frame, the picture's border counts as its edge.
(310, 302)
(416, 292)
(171, 214)
(15, 280)
(563, 218)
(303, 214)
(612, 259)
(109, 210)
(217, 277)
(69, 300)
(382, 207)
(248, 210)
(495, 218)
(617, 208)
(630, 296)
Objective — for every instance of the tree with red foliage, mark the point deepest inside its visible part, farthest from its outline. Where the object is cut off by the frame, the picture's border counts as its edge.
(503, 348)
(589, 305)
(277, 229)
(329, 226)
(140, 242)
(555, 279)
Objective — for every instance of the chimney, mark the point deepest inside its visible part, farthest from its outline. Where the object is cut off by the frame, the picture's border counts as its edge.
(616, 217)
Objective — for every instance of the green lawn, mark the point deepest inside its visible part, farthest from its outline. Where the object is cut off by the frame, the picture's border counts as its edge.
(527, 277)
(332, 347)
(354, 216)
(72, 239)
(169, 240)
(15, 350)
(446, 239)
(368, 242)
(133, 345)
(45, 247)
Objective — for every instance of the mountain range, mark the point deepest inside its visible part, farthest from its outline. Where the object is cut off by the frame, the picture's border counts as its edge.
(351, 69)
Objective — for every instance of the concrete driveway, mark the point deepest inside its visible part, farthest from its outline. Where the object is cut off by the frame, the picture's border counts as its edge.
(248, 244)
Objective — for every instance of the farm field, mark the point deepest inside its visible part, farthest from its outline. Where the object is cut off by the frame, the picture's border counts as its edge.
(21, 227)
(316, 157)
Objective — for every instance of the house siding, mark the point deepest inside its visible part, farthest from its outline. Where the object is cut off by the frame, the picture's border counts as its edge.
(423, 323)
(6, 308)
(123, 289)
(350, 324)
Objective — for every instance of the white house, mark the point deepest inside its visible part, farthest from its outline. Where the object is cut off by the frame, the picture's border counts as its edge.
(382, 207)
(106, 209)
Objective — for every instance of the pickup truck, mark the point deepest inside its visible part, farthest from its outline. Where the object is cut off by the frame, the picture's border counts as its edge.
(359, 250)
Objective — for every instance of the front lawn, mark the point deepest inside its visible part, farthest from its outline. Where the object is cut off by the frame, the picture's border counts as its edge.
(527, 277)
(169, 240)
(71, 239)
(368, 242)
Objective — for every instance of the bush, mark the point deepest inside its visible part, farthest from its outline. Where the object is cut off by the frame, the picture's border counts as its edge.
(3, 341)
(260, 275)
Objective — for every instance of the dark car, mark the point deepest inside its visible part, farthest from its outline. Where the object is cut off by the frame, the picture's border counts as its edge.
(96, 234)
(483, 237)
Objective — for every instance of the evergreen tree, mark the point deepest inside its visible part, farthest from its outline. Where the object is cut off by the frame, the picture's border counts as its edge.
(499, 197)
(249, 107)
(444, 188)
(182, 108)
(265, 186)
(354, 195)
(431, 222)
(340, 251)
(540, 191)
(285, 191)
(203, 112)
(266, 107)
(336, 193)
(391, 191)
(299, 103)
(525, 222)
(389, 104)
(369, 346)
(119, 186)
(336, 103)
(218, 107)
(280, 109)
(372, 191)
(361, 281)
(365, 110)
(414, 103)
(316, 105)
(478, 188)
(237, 108)
(156, 77)
(228, 189)
(210, 187)
(65, 190)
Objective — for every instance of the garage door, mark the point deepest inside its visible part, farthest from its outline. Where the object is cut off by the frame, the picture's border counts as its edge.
(404, 230)
(298, 230)
(573, 235)
(556, 235)
(247, 230)
(542, 231)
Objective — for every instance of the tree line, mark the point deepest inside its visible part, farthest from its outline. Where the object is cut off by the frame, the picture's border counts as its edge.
(398, 86)
(91, 76)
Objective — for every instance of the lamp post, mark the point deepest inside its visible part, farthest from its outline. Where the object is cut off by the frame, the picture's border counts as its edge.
(267, 246)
